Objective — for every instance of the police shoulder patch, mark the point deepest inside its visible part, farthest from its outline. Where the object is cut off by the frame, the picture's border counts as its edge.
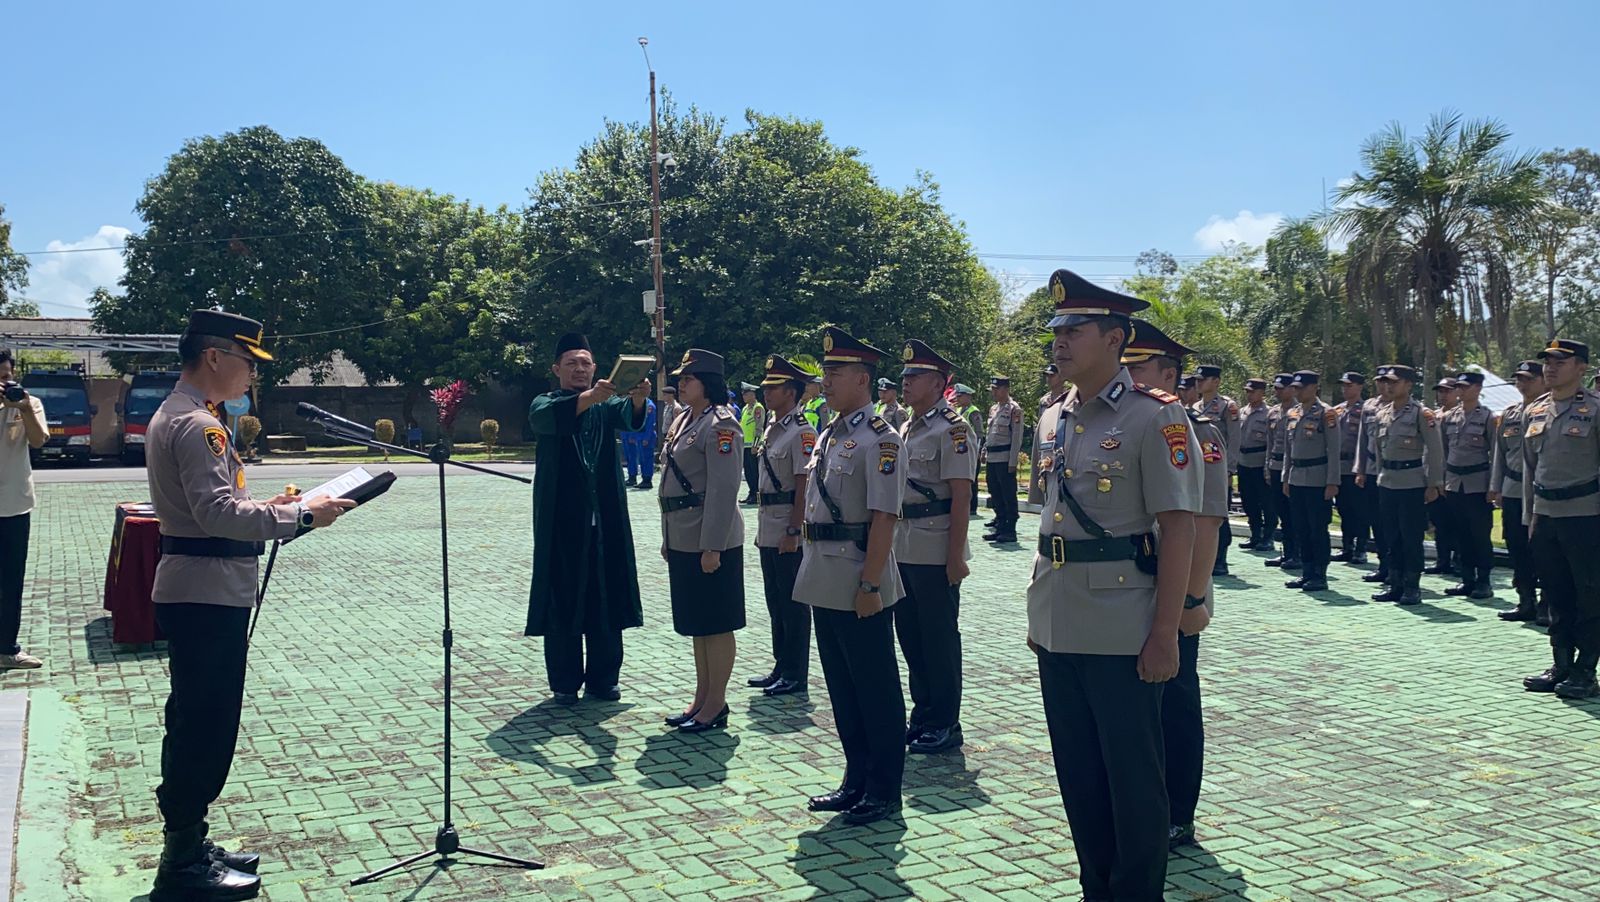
(725, 441)
(879, 425)
(216, 440)
(1158, 394)
(1177, 436)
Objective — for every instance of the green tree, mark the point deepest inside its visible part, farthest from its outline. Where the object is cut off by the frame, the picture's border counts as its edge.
(1563, 244)
(271, 228)
(1203, 306)
(1429, 203)
(13, 273)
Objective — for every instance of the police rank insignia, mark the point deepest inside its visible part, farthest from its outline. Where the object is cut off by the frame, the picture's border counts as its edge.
(1111, 444)
(216, 440)
(724, 441)
(1177, 436)
(1211, 452)
(849, 443)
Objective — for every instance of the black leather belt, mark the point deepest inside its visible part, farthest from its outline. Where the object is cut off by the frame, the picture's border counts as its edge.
(926, 509)
(767, 499)
(1467, 470)
(1277, 457)
(208, 546)
(1084, 551)
(1513, 475)
(999, 447)
(1256, 450)
(1567, 493)
(682, 502)
(1310, 461)
(1350, 456)
(1402, 464)
(835, 532)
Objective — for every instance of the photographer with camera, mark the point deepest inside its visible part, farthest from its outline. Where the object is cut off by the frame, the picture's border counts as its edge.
(22, 428)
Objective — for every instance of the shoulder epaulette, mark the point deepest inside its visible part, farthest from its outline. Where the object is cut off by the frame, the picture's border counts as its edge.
(953, 418)
(1158, 394)
(1196, 417)
(878, 424)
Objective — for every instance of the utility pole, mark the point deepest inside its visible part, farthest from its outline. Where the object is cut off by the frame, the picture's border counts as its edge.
(655, 253)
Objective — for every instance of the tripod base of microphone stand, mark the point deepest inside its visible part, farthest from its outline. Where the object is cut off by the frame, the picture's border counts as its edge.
(445, 844)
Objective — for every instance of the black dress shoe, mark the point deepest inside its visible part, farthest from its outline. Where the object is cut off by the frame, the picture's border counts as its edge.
(1580, 683)
(937, 740)
(914, 731)
(645, 486)
(1376, 576)
(1389, 593)
(607, 694)
(785, 687)
(1481, 591)
(205, 879)
(1436, 569)
(630, 482)
(1248, 545)
(697, 726)
(869, 810)
(678, 720)
(1298, 582)
(1292, 564)
(748, 499)
(1411, 597)
(999, 538)
(762, 682)
(243, 862)
(1180, 835)
(1275, 561)
(839, 800)
(564, 698)
(1458, 590)
(1357, 559)
(1341, 557)
(1219, 569)
(1313, 584)
(1517, 615)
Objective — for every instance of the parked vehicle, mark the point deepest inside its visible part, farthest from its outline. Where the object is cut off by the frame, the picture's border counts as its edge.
(67, 412)
(145, 393)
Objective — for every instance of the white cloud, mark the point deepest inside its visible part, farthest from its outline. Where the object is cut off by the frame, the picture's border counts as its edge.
(1246, 228)
(61, 283)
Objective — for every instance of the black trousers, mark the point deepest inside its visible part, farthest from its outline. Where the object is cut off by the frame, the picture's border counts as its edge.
(564, 664)
(1003, 496)
(1183, 732)
(1312, 515)
(1352, 502)
(14, 533)
(1471, 518)
(752, 469)
(926, 622)
(1380, 527)
(206, 645)
(1566, 551)
(791, 620)
(1283, 512)
(1252, 497)
(1524, 578)
(1110, 757)
(1405, 519)
(1444, 531)
(863, 677)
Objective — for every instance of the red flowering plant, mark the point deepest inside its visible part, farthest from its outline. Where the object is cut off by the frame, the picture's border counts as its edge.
(449, 400)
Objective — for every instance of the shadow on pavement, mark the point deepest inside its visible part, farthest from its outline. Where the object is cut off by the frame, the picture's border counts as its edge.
(97, 641)
(672, 759)
(942, 782)
(525, 737)
(1433, 614)
(784, 714)
(1194, 863)
(837, 859)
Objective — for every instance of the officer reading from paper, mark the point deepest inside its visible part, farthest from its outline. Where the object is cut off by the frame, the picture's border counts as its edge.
(205, 586)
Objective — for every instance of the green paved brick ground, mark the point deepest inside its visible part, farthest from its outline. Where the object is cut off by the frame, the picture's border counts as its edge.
(1358, 750)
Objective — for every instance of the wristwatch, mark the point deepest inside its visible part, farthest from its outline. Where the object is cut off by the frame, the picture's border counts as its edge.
(1189, 601)
(306, 517)
(867, 588)
(791, 531)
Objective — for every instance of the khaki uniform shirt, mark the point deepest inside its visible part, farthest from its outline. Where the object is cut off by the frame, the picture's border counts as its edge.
(1255, 434)
(1367, 437)
(1277, 436)
(895, 415)
(1404, 433)
(1126, 455)
(1214, 470)
(1349, 415)
(198, 488)
(709, 448)
(1313, 449)
(938, 448)
(1468, 445)
(1561, 449)
(1505, 472)
(1004, 444)
(858, 460)
(785, 452)
(1223, 411)
(1041, 452)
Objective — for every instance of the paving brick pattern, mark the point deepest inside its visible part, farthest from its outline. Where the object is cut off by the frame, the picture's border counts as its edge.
(1357, 750)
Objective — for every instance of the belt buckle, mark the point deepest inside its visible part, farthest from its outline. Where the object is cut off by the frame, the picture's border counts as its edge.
(805, 531)
(1058, 552)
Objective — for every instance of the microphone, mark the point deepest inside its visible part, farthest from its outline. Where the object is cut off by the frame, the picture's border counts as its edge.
(328, 420)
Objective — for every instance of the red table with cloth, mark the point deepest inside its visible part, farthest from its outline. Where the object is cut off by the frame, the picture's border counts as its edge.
(131, 573)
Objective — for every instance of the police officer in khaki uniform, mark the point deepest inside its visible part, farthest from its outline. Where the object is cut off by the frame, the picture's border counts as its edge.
(1055, 388)
(1105, 601)
(205, 585)
(973, 414)
(1505, 491)
(1253, 439)
(1561, 476)
(1003, 452)
(1155, 359)
(1352, 501)
(1468, 433)
(703, 534)
(930, 546)
(1366, 462)
(785, 454)
(1407, 462)
(1224, 412)
(1312, 479)
(1445, 541)
(850, 578)
(1281, 511)
(889, 407)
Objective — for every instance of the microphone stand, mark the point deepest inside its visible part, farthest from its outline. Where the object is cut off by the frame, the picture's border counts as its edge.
(446, 842)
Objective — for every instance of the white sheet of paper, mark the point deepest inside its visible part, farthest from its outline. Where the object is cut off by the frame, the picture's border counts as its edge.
(339, 485)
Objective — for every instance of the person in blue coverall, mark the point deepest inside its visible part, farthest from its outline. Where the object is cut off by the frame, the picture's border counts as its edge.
(639, 448)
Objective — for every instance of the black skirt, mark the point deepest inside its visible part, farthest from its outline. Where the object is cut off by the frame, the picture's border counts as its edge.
(706, 604)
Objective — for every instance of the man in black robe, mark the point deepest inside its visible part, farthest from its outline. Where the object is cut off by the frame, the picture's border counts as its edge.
(585, 587)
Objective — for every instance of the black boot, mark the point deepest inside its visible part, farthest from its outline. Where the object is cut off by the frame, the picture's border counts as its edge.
(1581, 682)
(1344, 553)
(1559, 670)
(631, 481)
(1523, 611)
(247, 862)
(1459, 589)
(187, 872)
(1377, 576)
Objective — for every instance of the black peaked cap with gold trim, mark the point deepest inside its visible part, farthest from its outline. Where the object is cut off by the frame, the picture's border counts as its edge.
(1149, 341)
(919, 358)
(1077, 300)
(699, 360)
(840, 348)
(781, 372)
(221, 324)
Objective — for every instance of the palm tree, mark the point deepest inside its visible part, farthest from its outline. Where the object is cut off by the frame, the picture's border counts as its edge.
(1428, 204)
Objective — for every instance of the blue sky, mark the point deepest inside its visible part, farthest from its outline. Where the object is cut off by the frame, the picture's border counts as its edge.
(1074, 129)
